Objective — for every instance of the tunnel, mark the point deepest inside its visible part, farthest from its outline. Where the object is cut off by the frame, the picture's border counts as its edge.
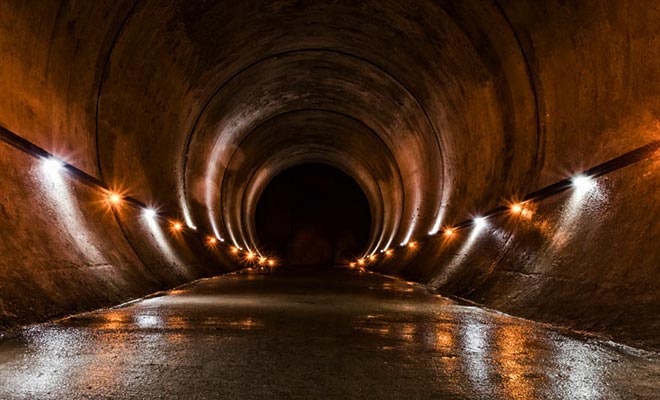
(313, 215)
(330, 199)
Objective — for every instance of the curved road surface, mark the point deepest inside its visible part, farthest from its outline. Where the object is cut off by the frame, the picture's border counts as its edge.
(313, 334)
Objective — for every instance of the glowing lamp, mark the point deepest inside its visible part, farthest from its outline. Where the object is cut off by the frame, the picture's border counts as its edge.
(234, 250)
(372, 257)
(352, 265)
(516, 208)
(177, 226)
(114, 198)
(52, 166)
(271, 263)
(449, 231)
(582, 183)
(412, 245)
(150, 213)
(212, 240)
(479, 222)
(250, 256)
(389, 252)
(361, 261)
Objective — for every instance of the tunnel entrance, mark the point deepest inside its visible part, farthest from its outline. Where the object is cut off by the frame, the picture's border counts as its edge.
(313, 214)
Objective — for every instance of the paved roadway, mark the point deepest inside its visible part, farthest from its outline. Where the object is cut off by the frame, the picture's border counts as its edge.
(313, 334)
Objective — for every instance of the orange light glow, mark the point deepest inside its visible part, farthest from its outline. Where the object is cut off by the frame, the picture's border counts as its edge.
(177, 226)
(271, 263)
(389, 253)
(449, 231)
(372, 257)
(234, 250)
(352, 265)
(114, 198)
(361, 261)
(262, 260)
(516, 208)
(412, 245)
(249, 256)
(211, 241)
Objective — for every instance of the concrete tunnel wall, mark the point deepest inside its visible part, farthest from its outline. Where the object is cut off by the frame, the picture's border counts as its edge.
(439, 110)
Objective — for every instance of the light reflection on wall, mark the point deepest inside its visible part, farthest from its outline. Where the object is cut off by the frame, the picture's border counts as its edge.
(234, 241)
(185, 207)
(461, 254)
(584, 196)
(161, 240)
(500, 236)
(415, 199)
(211, 194)
(216, 231)
(186, 214)
(438, 220)
(411, 230)
(390, 239)
(445, 197)
(70, 219)
(393, 216)
(377, 245)
(583, 201)
(223, 150)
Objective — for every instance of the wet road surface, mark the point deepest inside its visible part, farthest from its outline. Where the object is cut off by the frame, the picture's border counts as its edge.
(313, 334)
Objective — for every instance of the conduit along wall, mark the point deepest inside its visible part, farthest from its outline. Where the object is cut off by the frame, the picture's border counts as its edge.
(70, 244)
(439, 110)
(567, 254)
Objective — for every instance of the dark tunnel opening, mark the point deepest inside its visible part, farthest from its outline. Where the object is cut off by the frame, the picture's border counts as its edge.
(313, 214)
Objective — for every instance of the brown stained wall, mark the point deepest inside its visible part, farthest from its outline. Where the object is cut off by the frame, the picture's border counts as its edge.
(53, 56)
(451, 108)
(595, 77)
(576, 262)
(64, 251)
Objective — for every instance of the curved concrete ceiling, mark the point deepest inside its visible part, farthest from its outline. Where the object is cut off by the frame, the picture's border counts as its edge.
(443, 105)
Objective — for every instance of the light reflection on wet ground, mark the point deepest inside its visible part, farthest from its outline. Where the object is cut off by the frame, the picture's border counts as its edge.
(314, 334)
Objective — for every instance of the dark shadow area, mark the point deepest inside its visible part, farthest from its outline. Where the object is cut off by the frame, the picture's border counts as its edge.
(313, 214)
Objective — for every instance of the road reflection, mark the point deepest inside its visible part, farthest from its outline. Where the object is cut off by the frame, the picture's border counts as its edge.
(340, 335)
